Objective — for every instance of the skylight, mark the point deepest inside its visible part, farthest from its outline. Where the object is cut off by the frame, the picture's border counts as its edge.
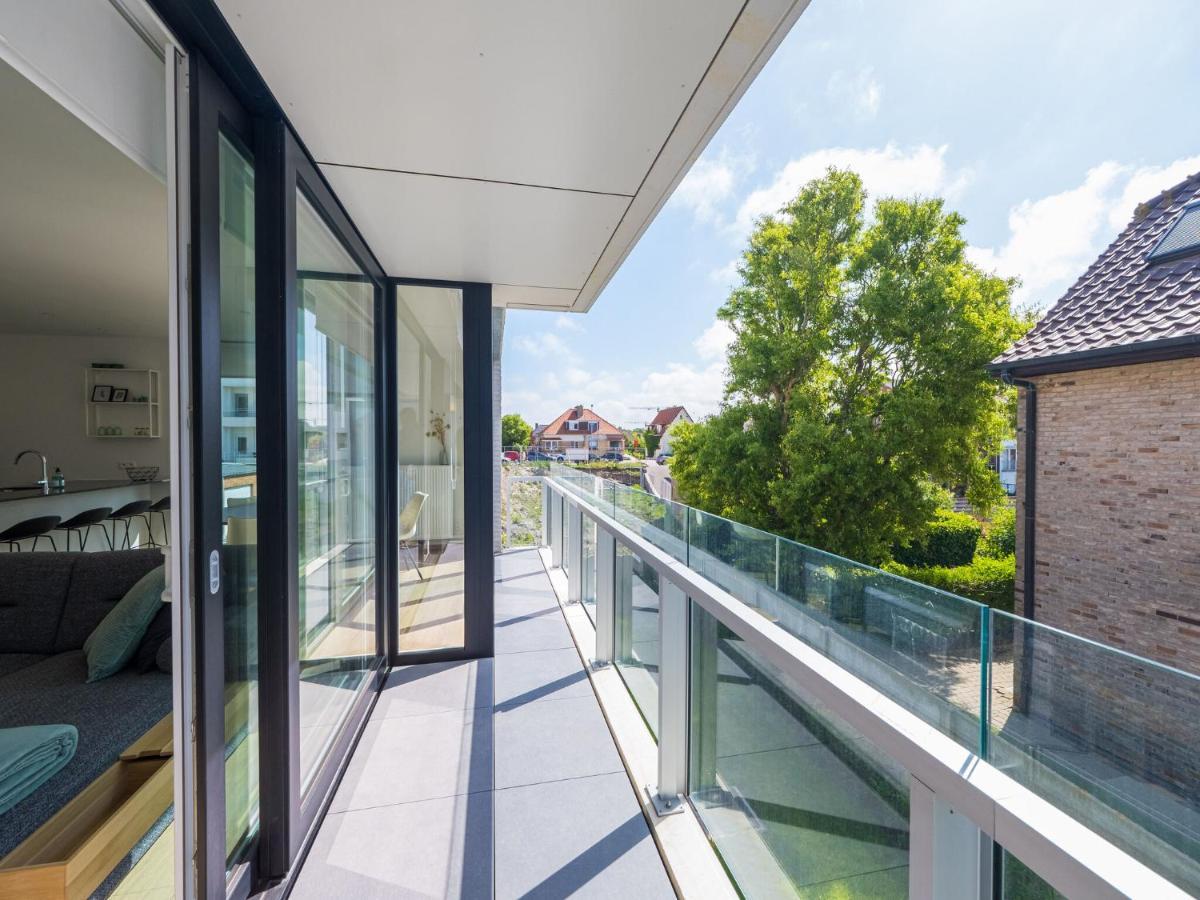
(1181, 238)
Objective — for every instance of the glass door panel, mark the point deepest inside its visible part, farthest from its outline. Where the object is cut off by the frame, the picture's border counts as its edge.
(429, 417)
(336, 491)
(239, 494)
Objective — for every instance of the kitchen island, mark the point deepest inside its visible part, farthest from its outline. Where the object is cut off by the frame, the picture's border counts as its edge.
(21, 502)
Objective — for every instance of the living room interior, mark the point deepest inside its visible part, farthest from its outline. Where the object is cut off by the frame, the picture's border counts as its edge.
(86, 775)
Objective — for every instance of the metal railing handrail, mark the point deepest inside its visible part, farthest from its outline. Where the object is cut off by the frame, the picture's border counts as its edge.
(1064, 852)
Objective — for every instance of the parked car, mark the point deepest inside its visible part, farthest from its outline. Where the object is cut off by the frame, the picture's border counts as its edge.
(511, 455)
(662, 458)
(538, 456)
(614, 456)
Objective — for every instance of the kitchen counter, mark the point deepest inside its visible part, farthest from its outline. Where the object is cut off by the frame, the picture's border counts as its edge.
(83, 494)
(73, 487)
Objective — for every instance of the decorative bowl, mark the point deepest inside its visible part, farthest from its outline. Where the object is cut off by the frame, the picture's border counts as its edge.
(141, 473)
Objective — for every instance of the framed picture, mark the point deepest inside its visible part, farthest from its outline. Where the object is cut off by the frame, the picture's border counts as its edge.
(120, 395)
(102, 393)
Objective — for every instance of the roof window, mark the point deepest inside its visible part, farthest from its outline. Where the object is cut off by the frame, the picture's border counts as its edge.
(1182, 238)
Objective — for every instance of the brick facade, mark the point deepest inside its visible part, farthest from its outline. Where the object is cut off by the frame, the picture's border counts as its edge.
(1118, 507)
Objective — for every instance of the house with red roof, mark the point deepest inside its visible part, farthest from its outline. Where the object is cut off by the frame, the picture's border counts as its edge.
(578, 434)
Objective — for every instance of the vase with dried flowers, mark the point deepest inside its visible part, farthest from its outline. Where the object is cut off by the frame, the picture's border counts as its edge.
(439, 428)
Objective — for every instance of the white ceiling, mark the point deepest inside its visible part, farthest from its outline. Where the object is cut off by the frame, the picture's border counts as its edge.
(83, 227)
(525, 143)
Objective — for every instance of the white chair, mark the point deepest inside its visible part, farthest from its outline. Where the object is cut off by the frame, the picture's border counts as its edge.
(409, 517)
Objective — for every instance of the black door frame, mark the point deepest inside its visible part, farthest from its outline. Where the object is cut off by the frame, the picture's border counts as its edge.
(478, 559)
(214, 112)
(289, 813)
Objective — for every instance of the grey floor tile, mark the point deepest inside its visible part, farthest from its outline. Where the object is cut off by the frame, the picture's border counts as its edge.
(584, 837)
(548, 741)
(435, 687)
(539, 675)
(537, 633)
(432, 848)
(411, 758)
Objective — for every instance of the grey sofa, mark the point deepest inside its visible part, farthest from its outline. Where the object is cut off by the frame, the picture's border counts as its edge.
(49, 604)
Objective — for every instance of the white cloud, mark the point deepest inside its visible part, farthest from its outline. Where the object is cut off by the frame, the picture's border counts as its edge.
(543, 344)
(568, 322)
(1053, 239)
(715, 341)
(726, 275)
(710, 183)
(858, 93)
(887, 171)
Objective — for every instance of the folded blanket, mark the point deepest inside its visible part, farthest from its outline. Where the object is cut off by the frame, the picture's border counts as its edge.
(29, 756)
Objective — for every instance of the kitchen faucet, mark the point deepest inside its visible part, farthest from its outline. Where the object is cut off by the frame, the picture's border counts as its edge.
(45, 482)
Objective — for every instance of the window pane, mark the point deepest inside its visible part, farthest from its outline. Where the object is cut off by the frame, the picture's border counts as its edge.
(239, 472)
(429, 398)
(336, 491)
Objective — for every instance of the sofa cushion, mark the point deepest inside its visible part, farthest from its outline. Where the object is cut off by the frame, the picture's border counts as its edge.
(116, 638)
(110, 715)
(157, 634)
(12, 662)
(98, 582)
(33, 589)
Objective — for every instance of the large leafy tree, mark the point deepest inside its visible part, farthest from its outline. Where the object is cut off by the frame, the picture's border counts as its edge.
(856, 375)
(514, 431)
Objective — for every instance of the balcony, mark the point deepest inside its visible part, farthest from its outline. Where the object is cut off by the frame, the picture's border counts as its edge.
(668, 683)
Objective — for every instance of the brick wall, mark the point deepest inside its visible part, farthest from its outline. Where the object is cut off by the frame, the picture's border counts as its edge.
(1118, 507)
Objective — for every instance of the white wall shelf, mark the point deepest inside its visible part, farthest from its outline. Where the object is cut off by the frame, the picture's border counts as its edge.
(130, 419)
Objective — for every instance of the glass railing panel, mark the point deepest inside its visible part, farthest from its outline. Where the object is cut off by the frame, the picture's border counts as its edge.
(1019, 882)
(636, 650)
(521, 504)
(795, 802)
(917, 645)
(1110, 738)
(660, 522)
(588, 556)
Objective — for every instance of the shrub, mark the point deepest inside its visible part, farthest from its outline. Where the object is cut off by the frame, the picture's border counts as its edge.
(985, 580)
(949, 540)
(1001, 538)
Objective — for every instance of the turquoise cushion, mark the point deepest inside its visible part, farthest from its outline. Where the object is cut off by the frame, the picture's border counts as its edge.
(116, 638)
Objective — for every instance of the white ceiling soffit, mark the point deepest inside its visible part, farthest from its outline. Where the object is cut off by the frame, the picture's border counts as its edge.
(526, 143)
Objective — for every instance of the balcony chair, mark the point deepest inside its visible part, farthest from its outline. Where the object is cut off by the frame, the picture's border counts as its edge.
(37, 528)
(409, 517)
(81, 525)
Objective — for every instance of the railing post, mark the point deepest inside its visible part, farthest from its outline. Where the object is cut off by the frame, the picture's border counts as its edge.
(777, 564)
(546, 495)
(672, 699)
(945, 850)
(574, 551)
(606, 596)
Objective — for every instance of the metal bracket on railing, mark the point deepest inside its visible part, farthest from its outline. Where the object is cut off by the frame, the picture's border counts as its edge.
(664, 804)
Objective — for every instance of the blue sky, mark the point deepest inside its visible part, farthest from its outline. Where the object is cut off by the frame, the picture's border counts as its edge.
(1043, 123)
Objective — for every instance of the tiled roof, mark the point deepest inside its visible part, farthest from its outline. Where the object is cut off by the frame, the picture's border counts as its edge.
(667, 415)
(559, 425)
(1123, 300)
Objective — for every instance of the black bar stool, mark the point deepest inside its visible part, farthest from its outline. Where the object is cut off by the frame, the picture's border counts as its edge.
(31, 528)
(162, 507)
(131, 510)
(83, 522)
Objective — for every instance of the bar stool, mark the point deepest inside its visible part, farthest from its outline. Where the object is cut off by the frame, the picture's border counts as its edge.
(131, 510)
(83, 522)
(37, 528)
(162, 507)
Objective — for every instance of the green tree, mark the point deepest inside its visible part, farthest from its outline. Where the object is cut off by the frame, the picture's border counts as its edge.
(514, 431)
(856, 375)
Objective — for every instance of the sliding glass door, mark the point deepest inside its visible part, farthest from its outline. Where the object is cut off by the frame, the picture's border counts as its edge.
(335, 431)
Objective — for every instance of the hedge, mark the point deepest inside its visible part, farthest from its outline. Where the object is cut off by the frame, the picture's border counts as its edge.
(985, 580)
(1001, 538)
(951, 540)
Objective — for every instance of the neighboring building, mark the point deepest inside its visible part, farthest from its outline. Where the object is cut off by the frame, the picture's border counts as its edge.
(578, 434)
(238, 418)
(1004, 464)
(662, 422)
(1109, 417)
